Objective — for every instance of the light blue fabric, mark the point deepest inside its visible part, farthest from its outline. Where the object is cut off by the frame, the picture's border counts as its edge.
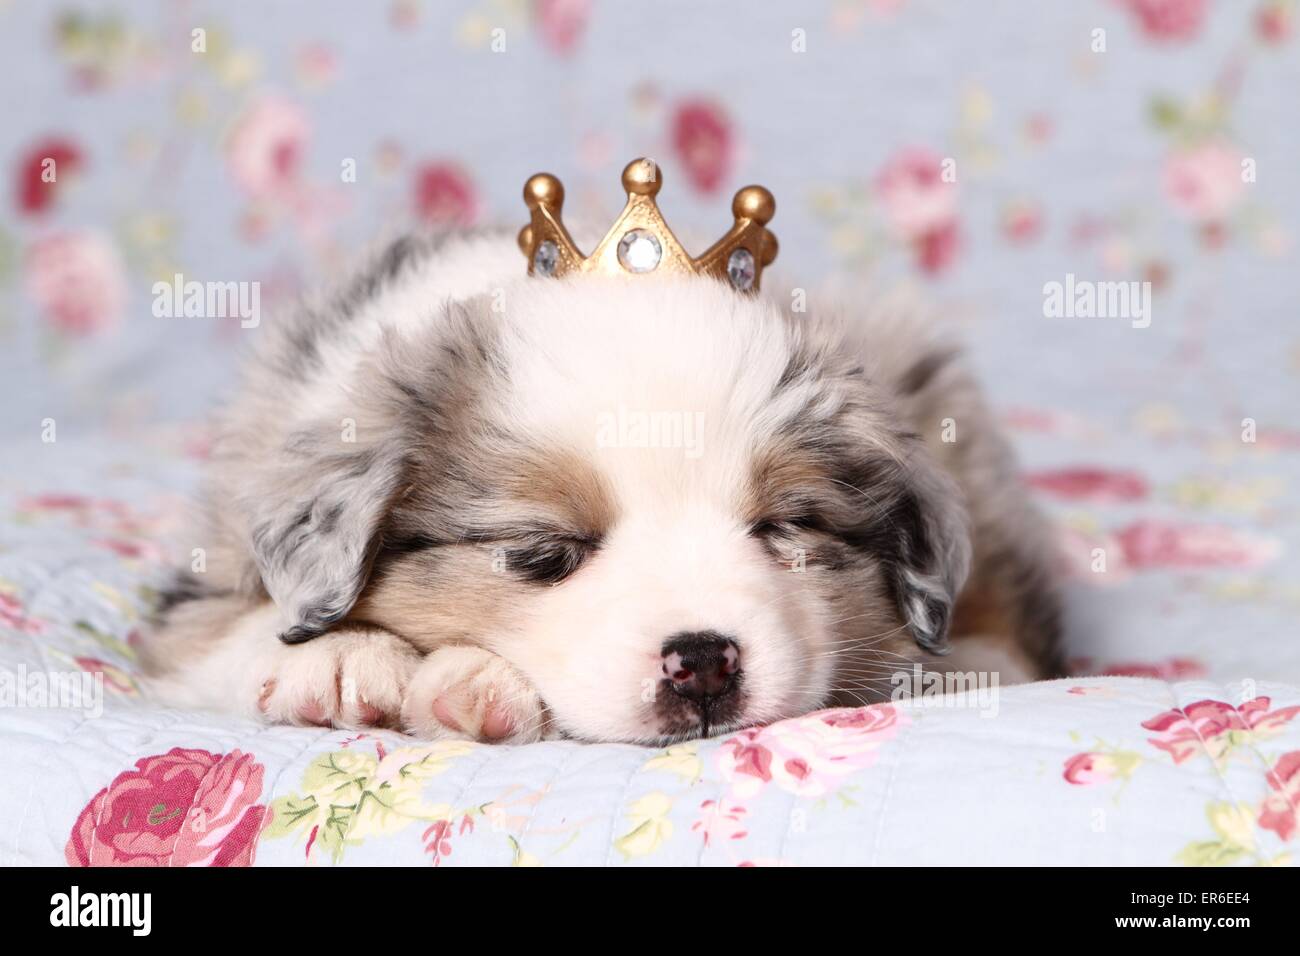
(1134, 436)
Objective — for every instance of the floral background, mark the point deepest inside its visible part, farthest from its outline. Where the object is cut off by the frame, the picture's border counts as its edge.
(977, 151)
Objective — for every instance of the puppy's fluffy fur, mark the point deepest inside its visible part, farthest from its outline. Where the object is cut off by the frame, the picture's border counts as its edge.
(416, 515)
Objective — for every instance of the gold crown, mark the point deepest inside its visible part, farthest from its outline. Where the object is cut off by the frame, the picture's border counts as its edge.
(640, 241)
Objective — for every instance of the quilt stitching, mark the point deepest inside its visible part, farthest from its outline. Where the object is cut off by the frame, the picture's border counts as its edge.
(271, 793)
(352, 822)
(889, 790)
(615, 810)
(465, 787)
(536, 808)
(719, 794)
(1177, 705)
(32, 600)
(1268, 769)
(785, 830)
(22, 820)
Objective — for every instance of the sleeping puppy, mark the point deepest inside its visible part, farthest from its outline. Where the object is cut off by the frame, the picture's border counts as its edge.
(464, 502)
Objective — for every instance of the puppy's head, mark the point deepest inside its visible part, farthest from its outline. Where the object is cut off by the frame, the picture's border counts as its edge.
(675, 510)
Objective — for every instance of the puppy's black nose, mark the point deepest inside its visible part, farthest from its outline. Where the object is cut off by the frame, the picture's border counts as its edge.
(702, 665)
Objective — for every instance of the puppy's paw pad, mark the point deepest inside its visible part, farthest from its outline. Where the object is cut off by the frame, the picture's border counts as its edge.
(470, 692)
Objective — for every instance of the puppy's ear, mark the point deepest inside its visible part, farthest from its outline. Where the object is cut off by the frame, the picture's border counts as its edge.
(315, 519)
(317, 507)
(930, 554)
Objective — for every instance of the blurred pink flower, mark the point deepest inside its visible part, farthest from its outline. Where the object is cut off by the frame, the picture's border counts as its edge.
(14, 616)
(1022, 221)
(561, 23)
(1173, 668)
(1273, 22)
(704, 143)
(315, 64)
(114, 676)
(34, 189)
(915, 198)
(265, 148)
(920, 208)
(1079, 557)
(1168, 20)
(1204, 182)
(445, 195)
(1089, 484)
(934, 250)
(134, 550)
(76, 278)
(1160, 544)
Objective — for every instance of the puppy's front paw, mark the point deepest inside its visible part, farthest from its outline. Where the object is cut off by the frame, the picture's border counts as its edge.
(348, 678)
(461, 691)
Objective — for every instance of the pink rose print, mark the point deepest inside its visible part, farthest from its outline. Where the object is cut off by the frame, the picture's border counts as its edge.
(1089, 768)
(1281, 810)
(437, 837)
(920, 208)
(703, 143)
(1204, 182)
(181, 808)
(1090, 484)
(1214, 726)
(1175, 668)
(1101, 766)
(114, 677)
(57, 502)
(721, 821)
(132, 550)
(14, 617)
(808, 755)
(1159, 544)
(445, 195)
(1168, 20)
(265, 149)
(33, 194)
(76, 279)
(561, 23)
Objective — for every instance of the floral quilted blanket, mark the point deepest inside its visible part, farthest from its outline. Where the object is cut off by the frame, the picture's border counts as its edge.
(1179, 743)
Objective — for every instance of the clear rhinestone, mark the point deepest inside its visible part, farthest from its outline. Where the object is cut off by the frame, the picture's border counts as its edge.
(740, 269)
(545, 259)
(639, 251)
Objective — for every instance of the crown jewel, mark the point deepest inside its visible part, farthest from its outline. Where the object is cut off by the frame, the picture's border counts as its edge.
(640, 241)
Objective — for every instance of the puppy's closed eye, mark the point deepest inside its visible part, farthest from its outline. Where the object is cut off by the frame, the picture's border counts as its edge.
(786, 526)
(548, 559)
(785, 538)
(540, 557)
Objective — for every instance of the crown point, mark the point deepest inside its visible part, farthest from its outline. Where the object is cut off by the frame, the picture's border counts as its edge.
(770, 248)
(526, 240)
(543, 189)
(641, 177)
(754, 202)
